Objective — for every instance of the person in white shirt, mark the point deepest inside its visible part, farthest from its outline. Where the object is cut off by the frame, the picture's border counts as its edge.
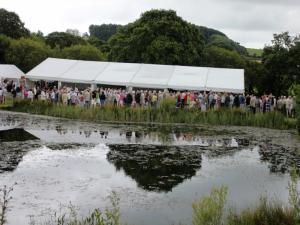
(30, 95)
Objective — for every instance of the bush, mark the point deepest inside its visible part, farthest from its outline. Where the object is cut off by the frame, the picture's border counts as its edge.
(266, 213)
(209, 210)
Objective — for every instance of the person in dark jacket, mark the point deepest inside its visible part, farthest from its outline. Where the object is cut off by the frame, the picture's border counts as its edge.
(236, 101)
(138, 98)
(129, 99)
(102, 99)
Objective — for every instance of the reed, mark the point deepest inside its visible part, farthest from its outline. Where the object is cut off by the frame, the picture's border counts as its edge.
(297, 91)
(163, 114)
(266, 213)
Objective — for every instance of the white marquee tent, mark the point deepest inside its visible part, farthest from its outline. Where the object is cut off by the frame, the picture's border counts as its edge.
(140, 75)
(10, 72)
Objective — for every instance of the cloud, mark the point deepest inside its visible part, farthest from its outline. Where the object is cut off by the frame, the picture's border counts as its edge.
(287, 3)
(250, 22)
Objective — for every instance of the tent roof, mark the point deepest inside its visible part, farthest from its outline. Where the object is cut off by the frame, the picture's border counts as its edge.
(10, 71)
(225, 80)
(119, 74)
(152, 76)
(191, 78)
(83, 72)
(140, 75)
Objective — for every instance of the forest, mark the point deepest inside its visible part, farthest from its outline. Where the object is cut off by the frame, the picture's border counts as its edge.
(158, 37)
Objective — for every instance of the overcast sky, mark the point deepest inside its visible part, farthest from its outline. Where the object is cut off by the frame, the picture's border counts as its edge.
(250, 22)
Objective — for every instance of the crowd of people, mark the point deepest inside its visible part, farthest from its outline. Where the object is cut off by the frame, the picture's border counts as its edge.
(148, 98)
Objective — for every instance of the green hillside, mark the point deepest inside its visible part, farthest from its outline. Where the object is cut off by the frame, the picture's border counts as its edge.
(255, 52)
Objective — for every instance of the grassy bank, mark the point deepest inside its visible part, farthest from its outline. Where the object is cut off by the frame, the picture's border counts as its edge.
(8, 103)
(167, 113)
(255, 52)
(297, 92)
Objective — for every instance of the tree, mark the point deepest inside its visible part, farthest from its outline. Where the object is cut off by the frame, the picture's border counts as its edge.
(226, 43)
(294, 62)
(277, 60)
(254, 72)
(74, 32)
(282, 41)
(4, 44)
(38, 36)
(82, 52)
(95, 41)
(27, 53)
(103, 31)
(63, 39)
(159, 36)
(11, 25)
(208, 32)
(101, 45)
(220, 57)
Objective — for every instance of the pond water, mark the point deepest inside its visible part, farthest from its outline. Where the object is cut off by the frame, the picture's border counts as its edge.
(157, 171)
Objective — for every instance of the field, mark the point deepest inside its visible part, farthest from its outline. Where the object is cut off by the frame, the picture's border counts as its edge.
(254, 52)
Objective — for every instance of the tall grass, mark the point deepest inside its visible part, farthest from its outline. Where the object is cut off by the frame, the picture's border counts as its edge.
(8, 102)
(163, 114)
(266, 213)
(297, 91)
(209, 210)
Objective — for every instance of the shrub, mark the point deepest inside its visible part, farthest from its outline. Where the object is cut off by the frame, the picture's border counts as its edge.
(266, 213)
(209, 210)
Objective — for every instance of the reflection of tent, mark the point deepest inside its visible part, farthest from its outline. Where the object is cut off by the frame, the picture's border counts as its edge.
(10, 72)
(140, 75)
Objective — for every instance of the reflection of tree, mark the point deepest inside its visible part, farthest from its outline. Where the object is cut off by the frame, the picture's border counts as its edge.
(17, 134)
(156, 168)
(280, 158)
(13, 152)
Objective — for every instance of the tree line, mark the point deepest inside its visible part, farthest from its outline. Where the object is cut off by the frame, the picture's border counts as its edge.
(158, 37)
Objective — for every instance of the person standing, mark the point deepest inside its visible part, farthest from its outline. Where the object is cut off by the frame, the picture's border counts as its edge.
(289, 106)
(252, 103)
(1, 95)
(129, 99)
(64, 97)
(87, 98)
(102, 99)
(236, 101)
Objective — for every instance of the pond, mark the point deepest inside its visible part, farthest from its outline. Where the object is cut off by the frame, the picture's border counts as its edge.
(156, 170)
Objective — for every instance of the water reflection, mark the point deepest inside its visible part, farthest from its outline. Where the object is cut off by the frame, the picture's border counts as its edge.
(280, 158)
(156, 168)
(16, 134)
(160, 168)
(15, 143)
(12, 153)
(143, 163)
